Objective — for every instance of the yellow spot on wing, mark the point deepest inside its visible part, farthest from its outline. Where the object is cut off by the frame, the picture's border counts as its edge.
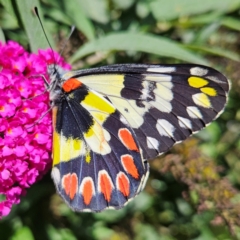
(99, 107)
(209, 91)
(97, 102)
(88, 157)
(56, 148)
(197, 82)
(90, 131)
(101, 117)
(65, 149)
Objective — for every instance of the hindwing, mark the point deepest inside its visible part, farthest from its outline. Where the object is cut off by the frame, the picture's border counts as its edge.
(97, 162)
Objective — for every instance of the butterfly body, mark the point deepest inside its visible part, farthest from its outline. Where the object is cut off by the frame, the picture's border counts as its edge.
(109, 121)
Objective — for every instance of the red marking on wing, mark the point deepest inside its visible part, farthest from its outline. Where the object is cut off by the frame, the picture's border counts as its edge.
(105, 186)
(71, 84)
(70, 184)
(127, 139)
(123, 184)
(129, 165)
(87, 191)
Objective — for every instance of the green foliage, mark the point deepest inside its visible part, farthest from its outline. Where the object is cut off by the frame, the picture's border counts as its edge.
(193, 192)
(175, 8)
(130, 41)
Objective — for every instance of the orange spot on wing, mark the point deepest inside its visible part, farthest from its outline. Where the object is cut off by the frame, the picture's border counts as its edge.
(71, 84)
(105, 186)
(87, 192)
(127, 139)
(123, 184)
(129, 166)
(70, 184)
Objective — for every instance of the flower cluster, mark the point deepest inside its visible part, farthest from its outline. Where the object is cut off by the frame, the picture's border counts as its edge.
(25, 120)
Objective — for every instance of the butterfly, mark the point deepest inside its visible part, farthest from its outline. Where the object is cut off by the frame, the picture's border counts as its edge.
(109, 121)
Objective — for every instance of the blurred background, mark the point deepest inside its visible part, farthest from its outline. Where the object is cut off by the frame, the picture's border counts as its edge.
(193, 190)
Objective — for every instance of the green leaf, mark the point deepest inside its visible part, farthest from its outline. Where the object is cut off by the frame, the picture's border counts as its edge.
(2, 197)
(95, 9)
(123, 4)
(184, 207)
(231, 22)
(32, 26)
(61, 234)
(172, 9)
(215, 51)
(206, 32)
(58, 15)
(143, 202)
(146, 231)
(79, 19)
(203, 19)
(8, 6)
(111, 216)
(2, 37)
(128, 41)
(142, 9)
(102, 232)
(9, 21)
(23, 233)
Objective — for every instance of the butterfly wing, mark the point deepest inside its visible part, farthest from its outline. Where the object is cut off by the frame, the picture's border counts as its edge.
(103, 136)
(163, 104)
(97, 162)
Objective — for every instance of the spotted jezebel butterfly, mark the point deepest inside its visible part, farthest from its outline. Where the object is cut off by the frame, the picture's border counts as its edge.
(109, 121)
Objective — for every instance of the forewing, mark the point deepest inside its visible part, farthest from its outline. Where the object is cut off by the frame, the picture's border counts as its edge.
(163, 104)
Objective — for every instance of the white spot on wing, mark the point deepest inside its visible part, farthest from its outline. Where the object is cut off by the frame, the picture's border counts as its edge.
(184, 122)
(165, 128)
(97, 138)
(145, 94)
(158, 77)
(56, 175)
(215, 79)
(143, 181)
(145, 91)
(86, 210)
(129, 109)
(198, 71)
(164, 91)
(163, 96)
(194, 112)
(161, 69)
(152, 143)
(123, 120)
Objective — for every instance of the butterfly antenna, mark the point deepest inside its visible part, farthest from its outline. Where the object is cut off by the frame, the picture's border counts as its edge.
(37, 14)
(66, 41)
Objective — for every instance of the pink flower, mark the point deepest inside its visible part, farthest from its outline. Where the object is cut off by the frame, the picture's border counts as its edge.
(25, 135)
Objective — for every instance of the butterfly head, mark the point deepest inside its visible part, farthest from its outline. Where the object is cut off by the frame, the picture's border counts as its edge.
(55, 73)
